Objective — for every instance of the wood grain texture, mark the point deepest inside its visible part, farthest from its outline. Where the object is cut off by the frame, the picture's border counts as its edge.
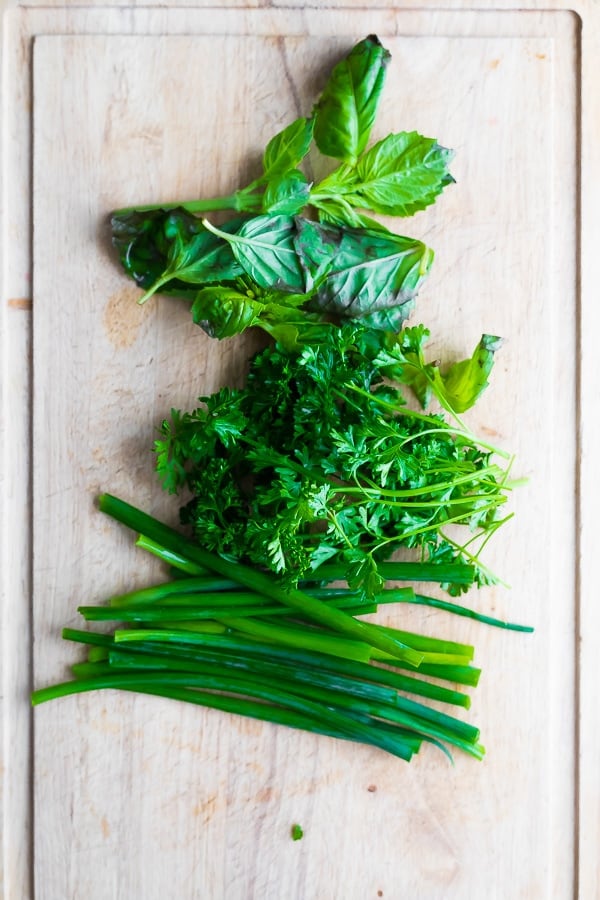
(140, 798)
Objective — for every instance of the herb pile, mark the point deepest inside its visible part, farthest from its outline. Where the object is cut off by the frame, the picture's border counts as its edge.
(318, 458)
(279, 269)
(300, 486)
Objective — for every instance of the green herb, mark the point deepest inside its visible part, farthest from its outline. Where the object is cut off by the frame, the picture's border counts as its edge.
(319, 459)
(297, 832)
(457, 389)
(318, 470)
(279, 270)
(237, 671)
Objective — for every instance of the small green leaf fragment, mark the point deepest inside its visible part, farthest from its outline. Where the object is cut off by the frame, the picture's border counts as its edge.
(223, 311)
(297, 832)
(456, 390)
(465, 381)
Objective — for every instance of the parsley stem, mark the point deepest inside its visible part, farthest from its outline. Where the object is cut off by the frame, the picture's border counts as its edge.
(438, 504)
(406, 411)
(478, 477)
(422, 529)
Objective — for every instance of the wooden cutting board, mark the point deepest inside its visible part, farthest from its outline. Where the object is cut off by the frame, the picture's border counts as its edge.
(134, 798)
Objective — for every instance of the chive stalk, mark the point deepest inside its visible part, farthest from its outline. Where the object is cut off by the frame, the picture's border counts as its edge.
(311, 607)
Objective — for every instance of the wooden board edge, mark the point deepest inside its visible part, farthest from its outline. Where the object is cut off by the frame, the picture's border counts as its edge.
(16, 720)
(588, 626)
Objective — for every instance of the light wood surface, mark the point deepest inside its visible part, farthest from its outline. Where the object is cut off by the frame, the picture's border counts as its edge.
(135, 798)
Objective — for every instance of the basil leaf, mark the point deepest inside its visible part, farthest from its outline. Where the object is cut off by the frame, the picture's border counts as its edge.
(337, 211)
(223, 311)
(359, 272)
(286, 150)
(399, 175)
(264, 247)
(466, 380)
(287, 194)
(197, 256)
(139, 240)
(345, 112)
(167, 250)
(457, 389)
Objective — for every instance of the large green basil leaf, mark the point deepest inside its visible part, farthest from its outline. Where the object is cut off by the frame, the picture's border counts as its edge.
(345, 112)
(264, 247)
(358, 273)
(399, 175)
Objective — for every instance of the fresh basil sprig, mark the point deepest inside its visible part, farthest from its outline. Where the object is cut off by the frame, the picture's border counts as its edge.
(348, 266)
(398, 176)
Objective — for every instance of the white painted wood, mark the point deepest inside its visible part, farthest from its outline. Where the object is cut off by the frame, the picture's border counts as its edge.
(138, 798)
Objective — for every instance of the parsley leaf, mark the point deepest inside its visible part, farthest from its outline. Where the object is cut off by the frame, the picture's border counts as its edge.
(319, 459)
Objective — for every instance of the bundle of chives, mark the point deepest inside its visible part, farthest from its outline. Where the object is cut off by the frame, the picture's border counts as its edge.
(228, 637)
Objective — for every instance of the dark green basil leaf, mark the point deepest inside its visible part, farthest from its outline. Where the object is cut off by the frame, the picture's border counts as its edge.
(399, 175)
(197, 256)
(286, 150)
(345, 112)
(140, 242)
(359, 272)
(168, 250)
(287, 194)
